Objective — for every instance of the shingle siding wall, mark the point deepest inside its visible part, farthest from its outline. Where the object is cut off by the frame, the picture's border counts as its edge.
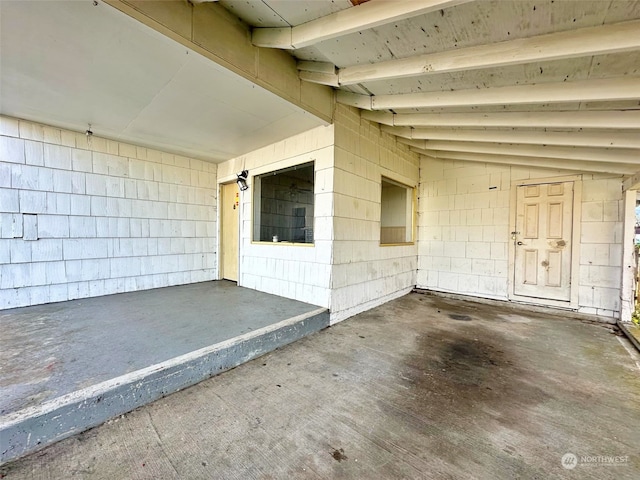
(82, 217)
(464, 232)
(365, 274)
(301, 272)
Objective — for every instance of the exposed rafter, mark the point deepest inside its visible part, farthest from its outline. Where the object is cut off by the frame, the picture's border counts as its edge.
(540, 162)
(632, 183)
(368, 15)
(600, 40)
(612, 89)
(604, 155)
(629, 119)
(575, 138)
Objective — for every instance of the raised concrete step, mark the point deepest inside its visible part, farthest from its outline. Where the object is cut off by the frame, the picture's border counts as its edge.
(30, 429)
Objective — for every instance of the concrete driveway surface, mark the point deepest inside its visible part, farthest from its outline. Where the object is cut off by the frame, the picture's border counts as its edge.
(422, 387)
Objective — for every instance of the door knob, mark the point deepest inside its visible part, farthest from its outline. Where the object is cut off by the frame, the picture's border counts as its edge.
(520, 243)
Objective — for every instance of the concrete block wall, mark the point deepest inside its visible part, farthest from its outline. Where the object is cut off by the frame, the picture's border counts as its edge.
(365, 274)
(82, 217)
(601, 245)
(301, 272)
(464, 232)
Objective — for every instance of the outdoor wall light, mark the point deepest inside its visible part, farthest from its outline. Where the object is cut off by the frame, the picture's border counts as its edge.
(242, 180)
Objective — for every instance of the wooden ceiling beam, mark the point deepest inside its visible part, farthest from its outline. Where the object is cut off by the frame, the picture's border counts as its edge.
(583, 42)
(368, 15)
(601, 90)
(627, 119)
(632, 183)
(603, 155)
(538, 162)
(596, 139)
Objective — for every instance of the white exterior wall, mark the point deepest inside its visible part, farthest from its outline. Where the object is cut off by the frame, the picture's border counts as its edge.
(464, 234)
(301, 272)
(109, 217)
(364, 273)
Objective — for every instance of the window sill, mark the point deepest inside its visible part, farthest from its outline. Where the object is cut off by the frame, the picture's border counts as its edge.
(288, 244)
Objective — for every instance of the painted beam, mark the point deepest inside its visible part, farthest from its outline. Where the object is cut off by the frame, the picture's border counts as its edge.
(329, 79)
(357, 100)
(596, 139)
(368, 15)
(601, 90)
(600, 40)
(318, 67)
(540, 162)
(633, 182)
(624, 119)
(604, 155)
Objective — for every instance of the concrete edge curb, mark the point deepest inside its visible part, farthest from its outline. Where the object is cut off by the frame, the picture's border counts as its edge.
(34, 428)
(629, 335)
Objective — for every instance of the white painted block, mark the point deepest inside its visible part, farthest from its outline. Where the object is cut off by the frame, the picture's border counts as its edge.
(12, 150)
(598, 232)
(46, 250)
(9, 126)
(20, 251)
(96, 288)
(34, 153)
(53, 226)
(592, 211)
(5, 174)
(24, 177)
(58, 203)
(456, 249)
(74, 249)
(601, 276)
(57, 156)
(482, 267)
(55, 272)
(30, 227)
(612, 211)
(82, 227)
(478, 250)
(9, 200)
(32, 201)
(114, 187)
(81, 160)
(79, 205)
(98, 206)
(96, 184)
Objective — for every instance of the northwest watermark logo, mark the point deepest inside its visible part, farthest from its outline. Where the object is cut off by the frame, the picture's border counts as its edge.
(570, 460)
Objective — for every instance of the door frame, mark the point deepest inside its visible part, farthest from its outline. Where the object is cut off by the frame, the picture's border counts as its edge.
(575, 241)
(226, 181)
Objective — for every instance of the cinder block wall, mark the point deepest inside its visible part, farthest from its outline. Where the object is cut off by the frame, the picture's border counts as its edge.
(301, 272)
(365, 274)
(464, 232)
(82, 217)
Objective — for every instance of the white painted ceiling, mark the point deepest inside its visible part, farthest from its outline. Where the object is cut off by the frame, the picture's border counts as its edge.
(458, 25)
(72, 63)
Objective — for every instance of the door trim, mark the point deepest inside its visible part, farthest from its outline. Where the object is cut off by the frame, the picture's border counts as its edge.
(575, 240)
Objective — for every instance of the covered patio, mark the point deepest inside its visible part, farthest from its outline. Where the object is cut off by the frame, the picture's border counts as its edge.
(421, 387)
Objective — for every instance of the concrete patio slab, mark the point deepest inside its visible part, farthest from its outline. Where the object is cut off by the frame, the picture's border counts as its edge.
(69, 366)
(421, 387)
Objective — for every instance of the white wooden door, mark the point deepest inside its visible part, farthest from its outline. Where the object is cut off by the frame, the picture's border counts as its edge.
(542, 236)
(229, 223)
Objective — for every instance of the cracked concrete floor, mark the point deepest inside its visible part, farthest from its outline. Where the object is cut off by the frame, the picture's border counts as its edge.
(422, 387)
